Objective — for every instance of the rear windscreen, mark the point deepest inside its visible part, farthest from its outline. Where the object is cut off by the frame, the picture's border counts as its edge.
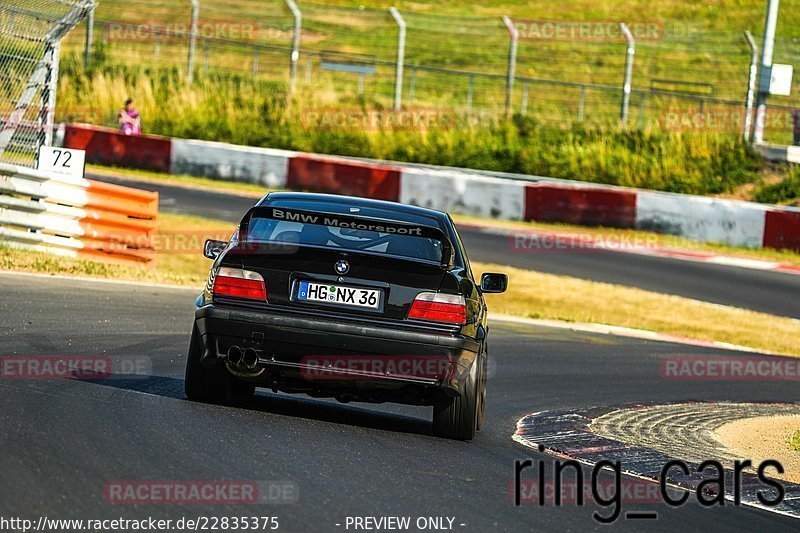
(290, 232)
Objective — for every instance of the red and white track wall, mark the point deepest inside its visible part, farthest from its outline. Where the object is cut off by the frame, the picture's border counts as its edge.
(462, 191)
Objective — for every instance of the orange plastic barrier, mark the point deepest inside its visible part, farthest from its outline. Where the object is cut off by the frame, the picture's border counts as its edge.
(119, 224)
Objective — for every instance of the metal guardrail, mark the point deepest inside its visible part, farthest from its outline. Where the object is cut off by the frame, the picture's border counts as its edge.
(76, 217)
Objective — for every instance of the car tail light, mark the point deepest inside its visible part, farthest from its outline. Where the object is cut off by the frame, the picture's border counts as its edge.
(238, 283)
(450, 308)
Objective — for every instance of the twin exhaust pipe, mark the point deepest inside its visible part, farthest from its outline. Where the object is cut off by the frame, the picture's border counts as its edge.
(237, 358)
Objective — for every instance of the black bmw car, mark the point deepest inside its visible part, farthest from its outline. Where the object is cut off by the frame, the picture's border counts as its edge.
(349, 298)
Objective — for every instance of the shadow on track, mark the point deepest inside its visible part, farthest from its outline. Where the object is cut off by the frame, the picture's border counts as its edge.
(278, 404)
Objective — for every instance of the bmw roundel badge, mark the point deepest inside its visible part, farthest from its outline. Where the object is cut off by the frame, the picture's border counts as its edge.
(341, 267)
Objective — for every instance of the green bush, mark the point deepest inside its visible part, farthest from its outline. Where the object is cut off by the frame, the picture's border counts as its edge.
(784, 191)
(239, 110)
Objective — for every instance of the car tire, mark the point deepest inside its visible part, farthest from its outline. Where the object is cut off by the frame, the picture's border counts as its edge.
(458, 418)
(484, 372)
(202, 383)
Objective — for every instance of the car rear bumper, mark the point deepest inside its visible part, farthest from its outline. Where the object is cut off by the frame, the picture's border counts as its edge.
(331, 354)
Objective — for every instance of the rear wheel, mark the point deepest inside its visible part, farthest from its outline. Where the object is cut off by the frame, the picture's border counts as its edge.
(460, 417)
(482, 390)
(202, 383)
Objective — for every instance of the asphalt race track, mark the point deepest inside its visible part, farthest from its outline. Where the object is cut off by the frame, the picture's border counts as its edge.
(765, 291)
(63, 440)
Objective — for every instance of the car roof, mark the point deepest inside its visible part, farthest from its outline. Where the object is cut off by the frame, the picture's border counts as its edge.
(410, 211)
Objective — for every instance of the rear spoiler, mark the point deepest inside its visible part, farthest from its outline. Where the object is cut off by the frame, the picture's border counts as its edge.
(338, 220)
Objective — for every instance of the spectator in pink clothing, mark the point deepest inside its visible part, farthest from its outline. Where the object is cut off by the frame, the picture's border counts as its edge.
(130, 123)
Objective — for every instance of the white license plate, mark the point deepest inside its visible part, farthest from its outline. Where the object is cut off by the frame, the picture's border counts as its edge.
(338, 294)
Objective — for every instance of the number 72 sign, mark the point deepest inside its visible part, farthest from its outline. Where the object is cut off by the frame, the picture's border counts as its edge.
(64, 161)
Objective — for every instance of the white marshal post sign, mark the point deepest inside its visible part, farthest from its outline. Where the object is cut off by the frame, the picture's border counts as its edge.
(64, 161)
(780, 80)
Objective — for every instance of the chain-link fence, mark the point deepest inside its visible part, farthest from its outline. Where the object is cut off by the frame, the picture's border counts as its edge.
(30, 37)
(683, 76)
(782, 124)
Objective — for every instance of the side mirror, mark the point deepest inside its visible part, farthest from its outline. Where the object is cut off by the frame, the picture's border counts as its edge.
(494, 283)
(212, 248)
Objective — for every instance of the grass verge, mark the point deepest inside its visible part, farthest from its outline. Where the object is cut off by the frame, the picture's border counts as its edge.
(180, 260)
(786, 191)
(531, 294)
(641, 238)
(536, 295)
